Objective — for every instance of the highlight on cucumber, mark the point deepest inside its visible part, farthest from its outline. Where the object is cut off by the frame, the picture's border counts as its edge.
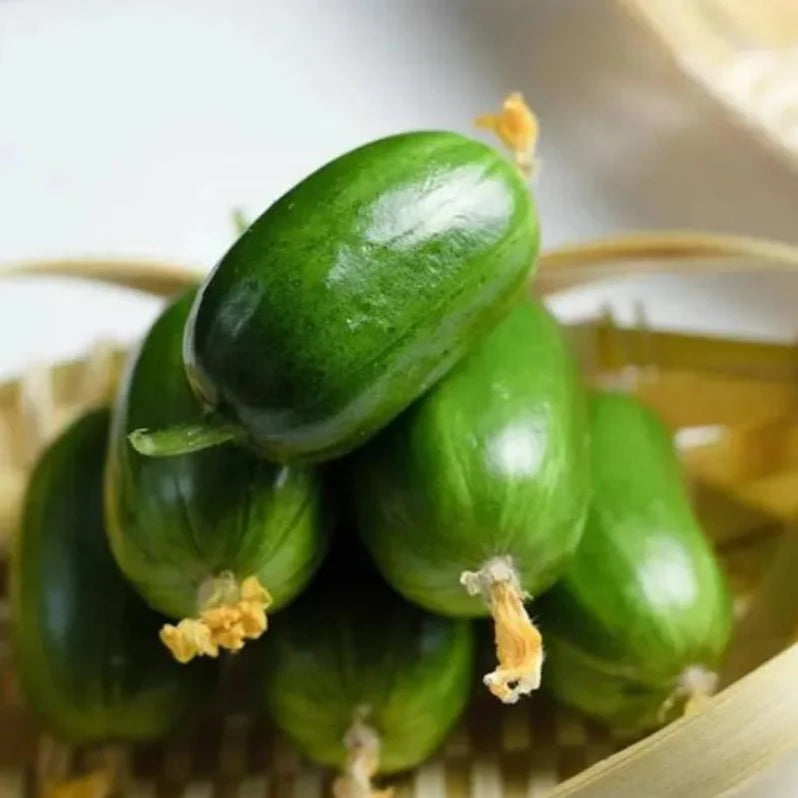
(323, 322)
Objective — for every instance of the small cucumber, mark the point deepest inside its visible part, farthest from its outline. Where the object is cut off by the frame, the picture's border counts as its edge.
(85, 645)
(355, 292)
(642, 616)
(478, 493)
(214, 537)
(362, 681)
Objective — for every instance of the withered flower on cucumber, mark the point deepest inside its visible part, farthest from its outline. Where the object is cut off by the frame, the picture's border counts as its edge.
(86, 646)
(361, 680)
(477, 495)
(217, 538)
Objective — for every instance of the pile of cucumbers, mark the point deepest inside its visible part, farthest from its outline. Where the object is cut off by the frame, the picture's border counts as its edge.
(357, 435)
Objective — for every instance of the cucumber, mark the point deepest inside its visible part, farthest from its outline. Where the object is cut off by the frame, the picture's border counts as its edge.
(478, 493)
(215, 537)
(642, 616)
(362, 681)
(353, 293)
(85, 645)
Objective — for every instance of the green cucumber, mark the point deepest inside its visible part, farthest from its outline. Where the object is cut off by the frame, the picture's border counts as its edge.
(191, 531)
(478, 493)
(642, 615)
(353, 674)
(85, 645)
(353, 293)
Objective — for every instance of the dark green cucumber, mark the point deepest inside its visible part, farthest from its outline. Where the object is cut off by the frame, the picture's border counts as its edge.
(86, 646)
(351, 653)
(176, 524)
(357, 290)
(643, 609)
(491, 466)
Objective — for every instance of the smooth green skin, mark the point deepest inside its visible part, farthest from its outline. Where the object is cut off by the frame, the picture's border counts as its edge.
(351, 643)
(175, 522)
(644, 597)
(86, 647)
(358, 289)
(492, 462)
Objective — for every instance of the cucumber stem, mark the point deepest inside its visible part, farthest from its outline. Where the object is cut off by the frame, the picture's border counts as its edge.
(519, 646)
(182, 438)
(103, 781)
(230, 614)
(517, 127)
(362, 745)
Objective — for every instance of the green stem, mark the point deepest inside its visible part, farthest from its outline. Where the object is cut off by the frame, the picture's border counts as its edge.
(182, 438)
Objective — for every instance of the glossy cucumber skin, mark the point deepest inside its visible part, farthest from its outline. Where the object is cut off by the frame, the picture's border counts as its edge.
(644, 597)
(493, 461)
(358, 289)
(174, 522)
(351, 643)
(86, 647)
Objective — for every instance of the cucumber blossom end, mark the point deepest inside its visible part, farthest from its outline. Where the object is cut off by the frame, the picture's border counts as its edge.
(362, 744)
(519, 645)
(230, 614)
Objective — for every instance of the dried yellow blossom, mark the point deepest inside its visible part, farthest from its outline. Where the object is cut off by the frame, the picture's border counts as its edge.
(220, 618)
(519, 646)
(253, 590)
(517, 127)
(190, 638)
(231, 639)
(362, 745)
(231, 615)
(253, 619)
(225, 627)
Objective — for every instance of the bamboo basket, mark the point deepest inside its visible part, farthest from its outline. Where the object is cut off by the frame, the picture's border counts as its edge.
(733, 406)
(744, 52)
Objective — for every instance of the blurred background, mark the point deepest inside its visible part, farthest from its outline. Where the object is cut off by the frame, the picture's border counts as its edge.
(136, 129)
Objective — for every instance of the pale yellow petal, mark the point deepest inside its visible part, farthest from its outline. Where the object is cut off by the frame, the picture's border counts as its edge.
(253, 590)
(519, 646)
(190, 638)
(517, 127)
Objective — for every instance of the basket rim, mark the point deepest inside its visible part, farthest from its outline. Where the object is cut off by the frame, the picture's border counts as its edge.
(747, 743)
(655, 18)
(563, 267)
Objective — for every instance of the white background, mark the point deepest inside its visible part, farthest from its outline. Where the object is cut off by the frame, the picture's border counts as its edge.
(134, 128)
